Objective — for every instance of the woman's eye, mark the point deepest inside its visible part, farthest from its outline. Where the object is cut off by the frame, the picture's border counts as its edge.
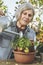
(29, 15)
(24, 13)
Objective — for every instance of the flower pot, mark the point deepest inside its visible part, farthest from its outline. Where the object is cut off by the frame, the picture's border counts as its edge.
(22, 57)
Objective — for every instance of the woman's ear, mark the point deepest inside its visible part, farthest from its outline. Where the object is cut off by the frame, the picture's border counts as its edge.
(1, 12)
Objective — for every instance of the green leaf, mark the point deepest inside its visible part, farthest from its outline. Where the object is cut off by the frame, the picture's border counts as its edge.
(16, 2)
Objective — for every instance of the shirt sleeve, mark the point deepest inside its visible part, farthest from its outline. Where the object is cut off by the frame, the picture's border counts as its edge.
(31, 34)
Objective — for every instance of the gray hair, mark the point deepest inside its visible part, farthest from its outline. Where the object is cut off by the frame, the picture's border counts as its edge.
(22, 7)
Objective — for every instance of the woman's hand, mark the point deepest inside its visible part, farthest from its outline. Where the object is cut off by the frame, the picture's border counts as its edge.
(1, 12)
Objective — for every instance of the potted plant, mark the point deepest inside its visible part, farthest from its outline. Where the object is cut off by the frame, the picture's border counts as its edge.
(23, 50)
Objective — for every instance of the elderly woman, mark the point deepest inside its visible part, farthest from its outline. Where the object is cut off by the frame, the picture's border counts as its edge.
(24, 16)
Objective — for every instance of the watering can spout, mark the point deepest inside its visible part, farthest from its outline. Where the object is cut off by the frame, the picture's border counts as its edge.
(15, 33)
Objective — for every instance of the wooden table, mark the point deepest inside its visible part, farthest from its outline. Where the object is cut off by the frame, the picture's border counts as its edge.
(12, 62)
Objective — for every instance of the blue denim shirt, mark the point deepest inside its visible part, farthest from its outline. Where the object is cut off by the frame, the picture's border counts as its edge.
(28, 32)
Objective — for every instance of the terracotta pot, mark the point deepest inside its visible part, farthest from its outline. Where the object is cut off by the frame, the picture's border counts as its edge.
(22, 57)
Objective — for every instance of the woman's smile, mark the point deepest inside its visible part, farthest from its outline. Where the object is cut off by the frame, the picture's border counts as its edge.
(25, 19)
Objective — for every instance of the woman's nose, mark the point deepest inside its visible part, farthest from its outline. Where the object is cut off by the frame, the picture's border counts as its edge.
(27, 16)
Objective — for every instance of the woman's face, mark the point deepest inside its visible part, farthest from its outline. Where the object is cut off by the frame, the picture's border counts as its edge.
(26, 17)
